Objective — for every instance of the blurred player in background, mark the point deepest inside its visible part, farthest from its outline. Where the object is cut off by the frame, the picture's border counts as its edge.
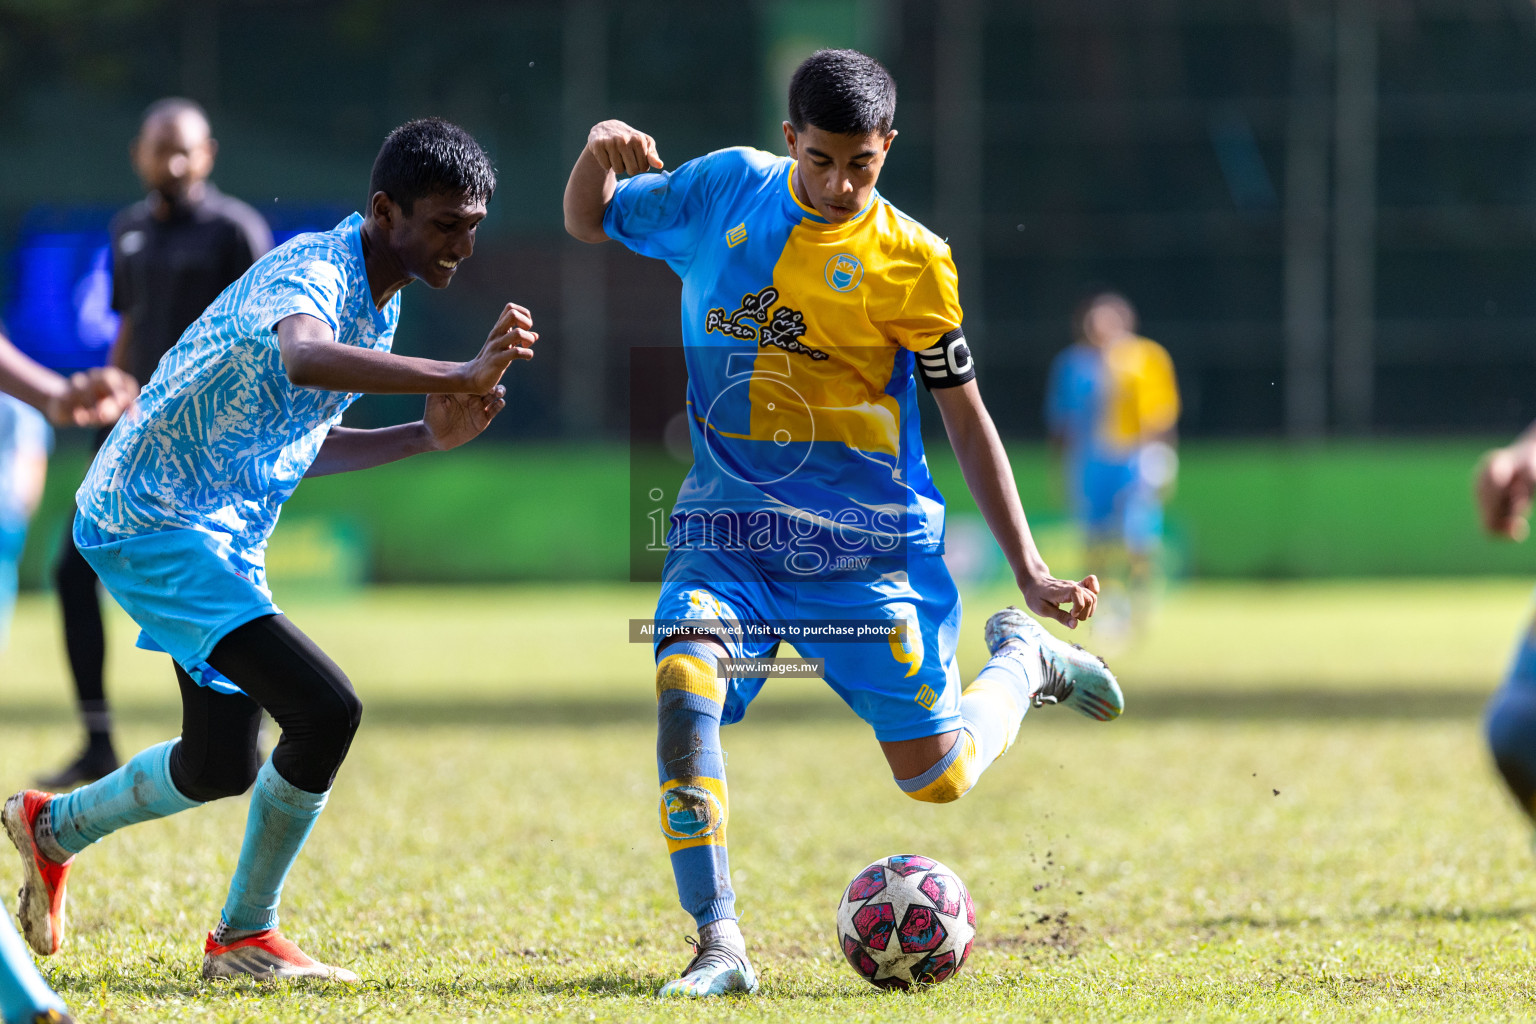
(86, 399)
(1504, 485)
(1111, 407)
(25, 438)
(173, 252)
(178, 506)
(804, 289)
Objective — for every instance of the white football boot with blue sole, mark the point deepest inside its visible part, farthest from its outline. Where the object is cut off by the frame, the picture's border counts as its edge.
(715, 970)
(1069, 674)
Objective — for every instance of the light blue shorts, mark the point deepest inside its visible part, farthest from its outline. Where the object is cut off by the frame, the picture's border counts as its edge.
(904, 691)
(1112, 502)
(185, 588)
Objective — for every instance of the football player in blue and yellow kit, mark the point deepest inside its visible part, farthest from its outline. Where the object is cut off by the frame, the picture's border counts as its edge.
(810, 306)
(1111, 406)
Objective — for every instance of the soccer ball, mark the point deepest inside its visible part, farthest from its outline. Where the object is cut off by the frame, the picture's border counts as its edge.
(906, 920)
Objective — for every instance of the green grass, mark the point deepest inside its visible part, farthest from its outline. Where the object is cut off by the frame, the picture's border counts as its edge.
(491, 852)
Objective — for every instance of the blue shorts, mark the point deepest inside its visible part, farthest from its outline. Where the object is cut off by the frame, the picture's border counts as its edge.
(903, 691)
(185, 588)
(1112, 502)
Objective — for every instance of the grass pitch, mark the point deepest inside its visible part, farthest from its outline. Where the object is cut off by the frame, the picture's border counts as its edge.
(1294, 820)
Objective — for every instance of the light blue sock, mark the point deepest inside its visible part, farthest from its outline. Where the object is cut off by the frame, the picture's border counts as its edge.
(281, 818)
(23, 992)
(140, 790)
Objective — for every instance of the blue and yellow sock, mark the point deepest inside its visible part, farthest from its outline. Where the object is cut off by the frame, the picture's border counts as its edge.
(140, 790)
(281, 817)
(992, 709)
(691, 768)
(23, 992)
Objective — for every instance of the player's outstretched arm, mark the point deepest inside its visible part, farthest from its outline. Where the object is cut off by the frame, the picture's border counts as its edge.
(1504, 484)
(92, 398)
(984, 462)
(312, 359)
(449, 421)
(612, 148)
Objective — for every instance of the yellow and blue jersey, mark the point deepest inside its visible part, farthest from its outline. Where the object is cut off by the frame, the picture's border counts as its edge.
(1106, 403)
(801, 339)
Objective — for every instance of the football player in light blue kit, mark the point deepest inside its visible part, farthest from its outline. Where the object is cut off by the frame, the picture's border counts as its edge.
(810, 307)
(25, 439)
(175, 513)
(84, 400)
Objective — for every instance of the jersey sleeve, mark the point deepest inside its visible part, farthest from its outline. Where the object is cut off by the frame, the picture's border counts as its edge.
(932, 307)
(312, 286)
(661, 214)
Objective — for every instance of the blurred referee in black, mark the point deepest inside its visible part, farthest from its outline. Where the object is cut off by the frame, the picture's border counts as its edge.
(173, 252)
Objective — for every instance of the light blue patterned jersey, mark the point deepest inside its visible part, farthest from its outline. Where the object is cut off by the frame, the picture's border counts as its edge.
(219, 438)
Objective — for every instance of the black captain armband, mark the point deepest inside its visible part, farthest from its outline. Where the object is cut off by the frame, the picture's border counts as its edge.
(947, 363)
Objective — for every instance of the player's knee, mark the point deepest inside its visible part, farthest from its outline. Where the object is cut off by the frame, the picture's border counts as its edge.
(944, 790)
(227, 771)
(951, 777)
(337, 714)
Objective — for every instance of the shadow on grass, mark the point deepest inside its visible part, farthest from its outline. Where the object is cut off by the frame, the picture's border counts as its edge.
(514, 712)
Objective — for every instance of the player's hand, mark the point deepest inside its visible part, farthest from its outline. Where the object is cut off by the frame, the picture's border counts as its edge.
(451, 420)
(510, 340)
(622, 149)
(1503, 487)
(1063, 600)
(93, 398)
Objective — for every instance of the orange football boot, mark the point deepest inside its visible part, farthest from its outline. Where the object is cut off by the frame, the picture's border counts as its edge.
(266, 956)
(42, 888)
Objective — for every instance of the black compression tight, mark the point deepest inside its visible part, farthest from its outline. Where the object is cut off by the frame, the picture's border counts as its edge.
(282, 671)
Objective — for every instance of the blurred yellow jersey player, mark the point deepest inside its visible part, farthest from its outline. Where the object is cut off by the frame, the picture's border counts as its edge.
(1112, 404)
(811, 308)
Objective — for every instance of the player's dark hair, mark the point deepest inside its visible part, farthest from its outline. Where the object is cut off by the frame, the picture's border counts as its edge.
(170, 106)
(843, 92)
(431, 157)
(1092, 299)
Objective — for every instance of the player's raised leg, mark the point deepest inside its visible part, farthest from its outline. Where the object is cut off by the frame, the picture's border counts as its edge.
(25, 997)
(1029, 667)
(690, 698)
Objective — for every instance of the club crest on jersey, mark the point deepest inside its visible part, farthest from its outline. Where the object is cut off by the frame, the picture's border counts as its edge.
(844, 272)
(736, 235)
(756, 319)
